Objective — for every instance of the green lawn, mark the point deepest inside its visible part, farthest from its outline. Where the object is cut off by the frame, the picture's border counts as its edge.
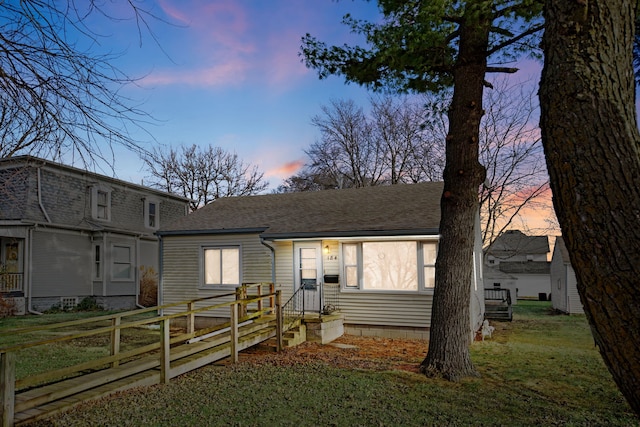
(539, 370)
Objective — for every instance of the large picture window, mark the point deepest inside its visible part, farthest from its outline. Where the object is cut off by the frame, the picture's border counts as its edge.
(221, 266)
(399, 266)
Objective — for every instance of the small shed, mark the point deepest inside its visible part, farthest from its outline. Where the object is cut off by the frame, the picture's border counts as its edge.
(564, 290)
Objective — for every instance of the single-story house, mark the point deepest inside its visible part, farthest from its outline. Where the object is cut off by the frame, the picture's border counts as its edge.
(369, 252)
(67, 234)
(564, 289)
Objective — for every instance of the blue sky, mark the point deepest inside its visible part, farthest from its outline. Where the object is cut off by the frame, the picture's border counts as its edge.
(228, 73)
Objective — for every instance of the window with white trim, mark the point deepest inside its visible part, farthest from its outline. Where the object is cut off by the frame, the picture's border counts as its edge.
(404, 266)
(101, 203)
(429, 254)
(122, 262)
(151, 213)
(221, 266)
(97, 262)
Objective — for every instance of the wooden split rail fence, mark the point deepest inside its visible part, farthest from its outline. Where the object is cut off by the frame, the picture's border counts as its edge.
(254, 316)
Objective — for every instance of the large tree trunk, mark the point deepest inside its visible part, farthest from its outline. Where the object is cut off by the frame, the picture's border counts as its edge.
(592, 146)
(450, 335)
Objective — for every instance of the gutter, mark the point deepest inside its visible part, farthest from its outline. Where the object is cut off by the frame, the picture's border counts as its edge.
(354, 234)
(273, 260)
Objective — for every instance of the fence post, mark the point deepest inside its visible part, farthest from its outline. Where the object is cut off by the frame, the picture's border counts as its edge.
(115, 339)
(272, 303)
(191, 318)
(234, 332)
(279, 320)
(7, 387)
(165, 351)
(260, 299)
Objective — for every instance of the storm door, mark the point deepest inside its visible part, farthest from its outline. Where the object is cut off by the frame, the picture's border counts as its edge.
(308, 268)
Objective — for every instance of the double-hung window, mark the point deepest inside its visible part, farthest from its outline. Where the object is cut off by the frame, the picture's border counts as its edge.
(398, 266)
(221, 266)
(101, 203)
(97, 261)
(122, 262)
(151, 213)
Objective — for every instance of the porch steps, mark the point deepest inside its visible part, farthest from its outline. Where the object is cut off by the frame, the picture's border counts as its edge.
(495, 311)
(293, 337)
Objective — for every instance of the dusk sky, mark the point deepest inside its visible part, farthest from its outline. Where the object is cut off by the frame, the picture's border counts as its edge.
(231, 76)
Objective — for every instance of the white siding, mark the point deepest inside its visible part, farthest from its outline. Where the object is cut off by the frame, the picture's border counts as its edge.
(389, 309)
(530, 285)
(284, 268)
(573, 297)
(181, 266)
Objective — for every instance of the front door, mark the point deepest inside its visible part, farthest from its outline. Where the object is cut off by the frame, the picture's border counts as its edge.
(308, 271)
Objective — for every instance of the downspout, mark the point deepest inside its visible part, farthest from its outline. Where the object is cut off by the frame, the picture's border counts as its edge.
(105, 263)
(273, 260)
(137, 275)
(160, 276)
(29, 271)
(44, 211)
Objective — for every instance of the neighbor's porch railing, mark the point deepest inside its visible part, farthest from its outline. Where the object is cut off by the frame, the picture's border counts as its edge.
(11, 282)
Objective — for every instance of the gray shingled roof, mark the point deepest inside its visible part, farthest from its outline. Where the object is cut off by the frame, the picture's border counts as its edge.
(525, 267)
(515, 242)
(381, 210)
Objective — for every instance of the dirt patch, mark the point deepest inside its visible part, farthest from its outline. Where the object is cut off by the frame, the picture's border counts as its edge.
(353, 352)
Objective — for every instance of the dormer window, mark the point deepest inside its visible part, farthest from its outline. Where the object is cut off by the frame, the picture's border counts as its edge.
(101, 203)
(151, 213)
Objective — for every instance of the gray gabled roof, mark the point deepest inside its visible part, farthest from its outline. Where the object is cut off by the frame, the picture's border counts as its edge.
(525, 267)
(515, 242)
(402, 209)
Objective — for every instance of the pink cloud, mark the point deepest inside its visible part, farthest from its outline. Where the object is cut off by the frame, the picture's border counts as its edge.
(227, 36)
(225, 74)
(286, 170)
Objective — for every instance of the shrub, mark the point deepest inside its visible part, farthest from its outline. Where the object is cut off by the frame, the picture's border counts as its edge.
(7, 307)
(148, 287)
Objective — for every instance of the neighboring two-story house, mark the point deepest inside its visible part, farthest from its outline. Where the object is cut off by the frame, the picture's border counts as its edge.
(520, 263)
(67, 234)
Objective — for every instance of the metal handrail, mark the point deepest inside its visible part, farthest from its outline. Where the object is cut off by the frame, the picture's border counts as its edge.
(290, 309)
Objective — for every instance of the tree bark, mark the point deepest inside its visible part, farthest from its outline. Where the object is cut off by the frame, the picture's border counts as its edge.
(592, 147)
(450, 335)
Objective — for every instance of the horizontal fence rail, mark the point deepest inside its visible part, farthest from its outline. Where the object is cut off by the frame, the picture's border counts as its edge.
(249, 314)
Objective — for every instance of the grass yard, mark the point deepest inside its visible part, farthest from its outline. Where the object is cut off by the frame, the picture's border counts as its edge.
(539, 370)
(34, 360)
